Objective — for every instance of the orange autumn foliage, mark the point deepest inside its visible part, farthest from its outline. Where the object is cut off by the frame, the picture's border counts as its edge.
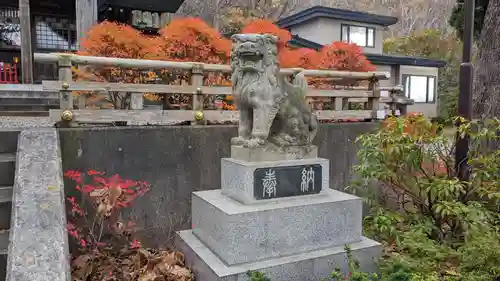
(262, 26)
(110, 39)
(303, 58)
(344, 56)
(191, 39)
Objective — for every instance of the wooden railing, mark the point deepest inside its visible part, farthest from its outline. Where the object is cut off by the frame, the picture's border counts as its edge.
(369, 95)
(8, 73)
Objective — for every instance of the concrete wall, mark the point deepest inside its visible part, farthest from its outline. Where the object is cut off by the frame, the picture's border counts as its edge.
(180, 160)
(325, 31)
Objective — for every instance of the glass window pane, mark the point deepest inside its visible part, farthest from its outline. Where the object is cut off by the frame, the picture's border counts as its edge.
(406, 82)
(418, 88)
(357, 35)
(431, 89)
(345, 33)
(371, 37)
(55, 33)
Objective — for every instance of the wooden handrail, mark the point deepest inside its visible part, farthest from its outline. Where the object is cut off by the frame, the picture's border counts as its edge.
(158, 64)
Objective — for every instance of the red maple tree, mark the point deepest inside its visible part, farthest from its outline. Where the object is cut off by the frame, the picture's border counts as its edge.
(262, 26)
(191, 39)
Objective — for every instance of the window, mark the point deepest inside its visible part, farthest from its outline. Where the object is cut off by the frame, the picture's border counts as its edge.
(55, 33)
(360, 35)
(420, 88)
(10, 35)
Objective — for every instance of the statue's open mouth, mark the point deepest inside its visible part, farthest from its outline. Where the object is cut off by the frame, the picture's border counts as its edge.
(250, 60)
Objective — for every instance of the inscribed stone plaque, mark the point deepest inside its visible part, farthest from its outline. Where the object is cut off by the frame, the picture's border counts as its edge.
(277, 182)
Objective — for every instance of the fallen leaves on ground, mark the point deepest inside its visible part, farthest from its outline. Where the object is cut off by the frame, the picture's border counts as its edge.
(131, 265)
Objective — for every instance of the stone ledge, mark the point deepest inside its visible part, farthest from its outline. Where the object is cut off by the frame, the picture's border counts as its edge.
(38, 249)
(273, 153)
(310, 266)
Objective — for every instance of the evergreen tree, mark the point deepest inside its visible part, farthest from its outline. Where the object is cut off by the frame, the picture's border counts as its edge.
(457, 17)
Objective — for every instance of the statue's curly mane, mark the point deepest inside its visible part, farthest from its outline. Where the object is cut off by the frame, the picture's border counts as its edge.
(269, 60)
(265, 78)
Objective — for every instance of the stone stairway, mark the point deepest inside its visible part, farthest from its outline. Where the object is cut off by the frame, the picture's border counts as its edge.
(26, 100)
(27, 107)
(8, 150)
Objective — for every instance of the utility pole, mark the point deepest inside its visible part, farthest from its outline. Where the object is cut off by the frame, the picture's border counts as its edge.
(465, 95)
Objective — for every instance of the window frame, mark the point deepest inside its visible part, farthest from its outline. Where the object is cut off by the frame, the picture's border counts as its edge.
(427, 101)
(366, 33)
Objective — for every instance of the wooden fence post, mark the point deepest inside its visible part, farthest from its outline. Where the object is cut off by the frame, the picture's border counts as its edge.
(373, 101)
(136, 101)
(82, 101)
(26, 43)
(65, 76)
(340, 103)
(197, 81)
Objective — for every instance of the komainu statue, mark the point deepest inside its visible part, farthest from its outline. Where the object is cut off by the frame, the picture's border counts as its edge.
(272, 109)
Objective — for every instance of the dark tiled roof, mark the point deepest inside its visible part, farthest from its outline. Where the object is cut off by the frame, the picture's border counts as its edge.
(334, 13)
(376, 58)
(404, 60)
(162, 6)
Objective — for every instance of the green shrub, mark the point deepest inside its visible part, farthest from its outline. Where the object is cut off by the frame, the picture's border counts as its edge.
(433, 225)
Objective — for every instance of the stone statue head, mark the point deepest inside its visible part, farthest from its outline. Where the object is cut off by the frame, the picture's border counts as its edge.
(253, 52)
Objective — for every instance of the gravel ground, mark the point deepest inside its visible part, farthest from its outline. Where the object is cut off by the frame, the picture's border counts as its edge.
(33, 122)
(24, 122)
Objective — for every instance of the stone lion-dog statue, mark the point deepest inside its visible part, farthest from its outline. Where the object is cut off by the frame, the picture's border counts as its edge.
(271, 109)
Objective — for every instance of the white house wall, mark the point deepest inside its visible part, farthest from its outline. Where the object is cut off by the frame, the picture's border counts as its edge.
(325, 31)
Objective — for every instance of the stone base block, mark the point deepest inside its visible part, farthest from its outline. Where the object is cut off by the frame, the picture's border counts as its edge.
(310, 266)
(273, 153)
(240, 233)
(244, 181)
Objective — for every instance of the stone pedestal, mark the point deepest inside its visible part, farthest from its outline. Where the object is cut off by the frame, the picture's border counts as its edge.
(274, 214)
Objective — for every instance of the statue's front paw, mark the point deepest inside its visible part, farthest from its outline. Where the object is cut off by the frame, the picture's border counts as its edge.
(289, 139)
(253, 143)
(237, 141)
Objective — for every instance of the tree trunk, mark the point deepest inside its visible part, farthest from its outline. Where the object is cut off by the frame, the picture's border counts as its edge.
(486, 95)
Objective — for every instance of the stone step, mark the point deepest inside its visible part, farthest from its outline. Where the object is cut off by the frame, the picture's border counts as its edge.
(33, 101)
(25, 113)
(7, 168)
(5, 214)
(4, 248)
(5, 194)
(5, 208)
(4, 241)
(8, 137)
(240, 233)
(28, 107)
(311, 266)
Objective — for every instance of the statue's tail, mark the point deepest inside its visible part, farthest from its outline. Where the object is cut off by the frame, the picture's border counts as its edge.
(301, 82)
(297, 90)
(297, 93)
